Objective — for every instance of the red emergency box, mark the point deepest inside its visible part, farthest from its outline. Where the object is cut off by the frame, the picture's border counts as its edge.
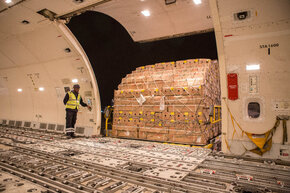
(233, 86)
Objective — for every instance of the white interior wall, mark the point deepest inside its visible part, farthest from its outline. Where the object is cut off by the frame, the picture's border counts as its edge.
(240, 45)
(34, 56)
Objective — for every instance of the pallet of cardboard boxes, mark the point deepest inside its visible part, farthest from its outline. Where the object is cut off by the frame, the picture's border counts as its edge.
(169, 102)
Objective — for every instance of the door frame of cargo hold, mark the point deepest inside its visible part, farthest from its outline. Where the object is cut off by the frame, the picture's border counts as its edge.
(97, 107)
(222, 66)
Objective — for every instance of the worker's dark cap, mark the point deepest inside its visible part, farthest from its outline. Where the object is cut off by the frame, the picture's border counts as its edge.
(76, 86)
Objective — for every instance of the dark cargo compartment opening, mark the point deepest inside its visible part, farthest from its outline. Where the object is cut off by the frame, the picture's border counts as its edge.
(113, 55)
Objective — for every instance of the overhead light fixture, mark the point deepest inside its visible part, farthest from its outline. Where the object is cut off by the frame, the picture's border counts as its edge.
(168, 2)
(78, 1)
(146, 13)
(8, 1)
(197, 2)
(41, 89)
(75, 80)
(25, 22)
(67, 50)
(253, 67)
(19, 90)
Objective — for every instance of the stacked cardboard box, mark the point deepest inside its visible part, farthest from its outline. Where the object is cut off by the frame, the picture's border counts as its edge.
(169, 102)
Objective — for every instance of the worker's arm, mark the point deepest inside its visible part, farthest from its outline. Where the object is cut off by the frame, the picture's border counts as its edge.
(65, 99)
(84, 104)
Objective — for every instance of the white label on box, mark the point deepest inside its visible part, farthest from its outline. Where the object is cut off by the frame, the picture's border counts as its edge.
(198, 140)
(162, 104)
(141, 99)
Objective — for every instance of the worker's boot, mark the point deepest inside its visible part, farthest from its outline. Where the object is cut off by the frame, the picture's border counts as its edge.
(68, 135)
(72, 135)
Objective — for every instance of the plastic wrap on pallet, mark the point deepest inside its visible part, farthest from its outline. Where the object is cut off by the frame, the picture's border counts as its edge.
(169, 102)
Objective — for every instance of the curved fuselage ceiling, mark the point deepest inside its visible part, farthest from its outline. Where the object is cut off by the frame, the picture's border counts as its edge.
(149, 20)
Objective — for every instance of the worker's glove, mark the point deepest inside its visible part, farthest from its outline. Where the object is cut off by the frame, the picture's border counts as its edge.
(89, 107)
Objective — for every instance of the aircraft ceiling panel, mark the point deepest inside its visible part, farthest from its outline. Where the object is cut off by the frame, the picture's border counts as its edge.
(62, 65)
(5, 62)
(4, 5)
(3, 36)
(57, 6)
(16, 52)
(46, 44)
(165, 21)
(179, 18)
(11, 20)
